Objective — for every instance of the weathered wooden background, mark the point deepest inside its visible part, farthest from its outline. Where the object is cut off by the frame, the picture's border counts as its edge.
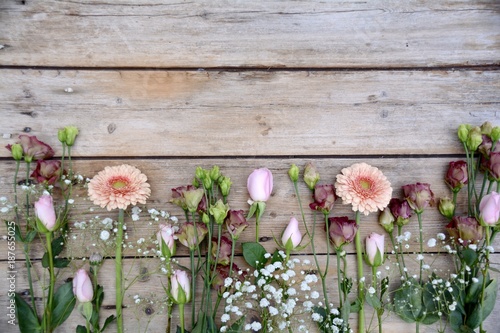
(171, 85)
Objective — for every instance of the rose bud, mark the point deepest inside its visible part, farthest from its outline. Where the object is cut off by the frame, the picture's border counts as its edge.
(401, 211)
(17, 151)
(375, 249)
(219, 211)
(70, 134)
(324, 197)
(34, 149)
(489, 209)
(291, 237)
(224, 251)
(82, 286)
(494, 165)
(474, 138)
(236, 223)
(456, 176)
(386, 220)
(465, 230)
(180, 287)
(190, 235)
(47, 171)
(342, 231)
(419, 196)
(446, 207)
(293, 173)
(45, 213)
(260, 184)
(166, 240)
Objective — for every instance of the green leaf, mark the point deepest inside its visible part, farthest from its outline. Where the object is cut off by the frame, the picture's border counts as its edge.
(58, 246)
(490, 296)
(61, 262)
(64, 301)
(430, 319)
(253, 209)
(108, 321)
(345, 311)
(470, 257)
(237, 326)
(30, 235)
(26, 318)
(254, 254)
(474, 318)
(455, 318)
(373, 301)
(81, 329)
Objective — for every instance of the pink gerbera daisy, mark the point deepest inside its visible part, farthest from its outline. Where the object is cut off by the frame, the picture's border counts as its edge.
(118, 187)
(365, 187)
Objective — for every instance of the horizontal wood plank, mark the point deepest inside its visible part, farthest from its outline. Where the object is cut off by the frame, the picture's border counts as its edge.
(206, 113)
(144, 282)
(258, 34)
(164, 175)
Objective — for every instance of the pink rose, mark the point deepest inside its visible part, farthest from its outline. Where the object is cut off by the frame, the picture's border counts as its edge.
(44, 211)
(489, 209)
(375, 249)
(291, 237)
(260, 184)
(82, 286)
(166, 240)
(180, 287)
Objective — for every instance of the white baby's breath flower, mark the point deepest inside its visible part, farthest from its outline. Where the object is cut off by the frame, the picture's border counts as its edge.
(371, 290)
(104, 235)
(473, 247)
(441, 236)
(431, 242)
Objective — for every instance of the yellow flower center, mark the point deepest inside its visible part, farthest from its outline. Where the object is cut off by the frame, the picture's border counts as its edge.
(119, 184)
(365, 185)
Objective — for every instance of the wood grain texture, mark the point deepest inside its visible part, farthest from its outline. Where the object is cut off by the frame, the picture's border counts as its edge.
(217, 113)
(144, 282)
(164, 175)
(257, 34)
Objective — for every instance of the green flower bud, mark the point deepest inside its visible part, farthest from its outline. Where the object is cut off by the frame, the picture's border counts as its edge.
(446, 207)
(225, 185)
(200, 173)
(193, 198)
(215, 173)
(205, 218)
(61, 135)
(95, 259)
(495, 134)
(293, 172)
(486, 128)
(219, 211)
(311, 176)
(386, 220)
(17, 151)
(71, 133)
(474, 139)
(463, 132)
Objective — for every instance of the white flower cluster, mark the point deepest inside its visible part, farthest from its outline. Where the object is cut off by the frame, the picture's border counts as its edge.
(277, 296)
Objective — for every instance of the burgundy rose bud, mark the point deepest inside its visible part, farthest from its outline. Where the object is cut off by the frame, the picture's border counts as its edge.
(236, 223)
(34, 149)
(342, 230)
(494, 165)
(456, 176)
(224, 251)
(419, 196)
(401, 211)
(47, 171)
(465, 230)
(324, 197)
(221, 273)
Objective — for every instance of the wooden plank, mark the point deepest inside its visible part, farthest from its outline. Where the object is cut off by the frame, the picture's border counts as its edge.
(257, 34)
(149, 314)
(207, 113)
(164, 175)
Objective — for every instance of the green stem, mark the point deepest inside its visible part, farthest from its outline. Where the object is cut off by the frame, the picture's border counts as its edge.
(257, 222)
(52, 281)
(361, 284)
(327, 258)
(118, 271)
(375, 285)
(400, 247)
(339, 277)
(28, 166)
(485, 273)
(16, 208)
(233, 245)
(181, 316)
(193, 287)
(396, 251)
(421, 240)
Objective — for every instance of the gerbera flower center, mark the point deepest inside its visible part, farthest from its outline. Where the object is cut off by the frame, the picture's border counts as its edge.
(119, 183)
(365, 184)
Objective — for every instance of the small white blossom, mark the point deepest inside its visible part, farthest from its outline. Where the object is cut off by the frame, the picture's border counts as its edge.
(431, 242)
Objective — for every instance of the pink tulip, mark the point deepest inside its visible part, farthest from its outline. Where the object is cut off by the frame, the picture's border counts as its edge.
(375, 249)
(260, 184)
(166, 240)
(489, 209)
(291, 237)
(44, 211)
(180, 287)
(82, 286)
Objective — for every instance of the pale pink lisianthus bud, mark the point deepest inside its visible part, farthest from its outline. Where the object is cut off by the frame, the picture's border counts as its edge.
(82, 286)
(375, 249)
(44, 211)
(260, 184)
(180, 287)
(292, 236)
(489, 209)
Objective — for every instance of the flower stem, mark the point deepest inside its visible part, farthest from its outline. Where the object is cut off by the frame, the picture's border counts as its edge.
(181, 316)
(485, 273)
(421, 240)
(193, 286)
(339, 278)
(361, 284)
(52, 281)
(257, 222)
(118, 271)
(375, 285)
